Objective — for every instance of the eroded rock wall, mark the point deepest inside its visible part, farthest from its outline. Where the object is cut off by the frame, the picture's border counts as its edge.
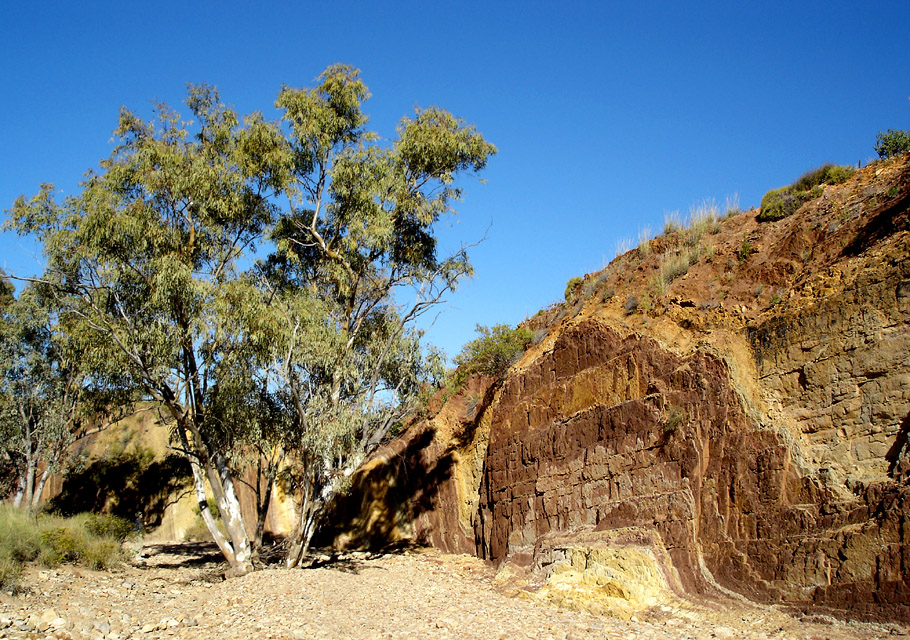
(664, 445)
(747, 433)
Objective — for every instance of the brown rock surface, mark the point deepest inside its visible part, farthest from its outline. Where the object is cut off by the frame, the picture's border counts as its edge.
(741, 430)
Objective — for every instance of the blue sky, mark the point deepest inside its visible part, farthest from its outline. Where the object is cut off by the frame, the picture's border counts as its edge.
(607, 115)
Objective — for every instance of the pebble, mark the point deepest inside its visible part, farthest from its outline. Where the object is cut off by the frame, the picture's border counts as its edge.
(418, 595)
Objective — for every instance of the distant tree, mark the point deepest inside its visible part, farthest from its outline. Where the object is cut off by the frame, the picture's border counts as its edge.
(892, 142)
(47, 401)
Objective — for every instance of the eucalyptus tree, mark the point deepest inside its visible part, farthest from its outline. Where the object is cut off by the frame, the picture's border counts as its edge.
(48, 399)
(303, 362)
(356, 264)
(141, 257)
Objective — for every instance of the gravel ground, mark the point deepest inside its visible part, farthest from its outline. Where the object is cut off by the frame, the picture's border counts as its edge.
(179, 592)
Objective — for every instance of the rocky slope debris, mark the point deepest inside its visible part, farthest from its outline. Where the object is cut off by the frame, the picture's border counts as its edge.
(177, 592)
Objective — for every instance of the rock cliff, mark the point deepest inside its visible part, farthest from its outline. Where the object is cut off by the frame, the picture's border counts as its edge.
(735, 427)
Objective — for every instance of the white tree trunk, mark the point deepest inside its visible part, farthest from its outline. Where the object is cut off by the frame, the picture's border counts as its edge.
(29, 482)
(232, 517)
(39, 488)
(300, 544)
(20, 493)
(202, 500)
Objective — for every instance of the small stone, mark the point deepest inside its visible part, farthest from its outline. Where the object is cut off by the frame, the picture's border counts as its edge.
(103, 626)
(48, 614)
(299, 634)
(148, 628)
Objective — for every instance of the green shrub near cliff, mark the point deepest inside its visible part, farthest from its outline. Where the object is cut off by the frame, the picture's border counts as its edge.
(783, 202)
(90, 540)
(892, 142)
(493, 352)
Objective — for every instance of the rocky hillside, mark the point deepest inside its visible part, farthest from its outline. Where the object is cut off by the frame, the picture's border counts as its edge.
(721, 413)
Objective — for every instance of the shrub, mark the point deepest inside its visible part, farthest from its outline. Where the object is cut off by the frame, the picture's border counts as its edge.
(644, 241)
(704, 217)
(497, 349)
(623, 245)
(571, 286)
(744, 251)
(89, 540)
(892, 142)
(19, 542)
(780, 203)
(107, 526)
(674, 419)
(675, 265)
(731, 206)
(631, 304)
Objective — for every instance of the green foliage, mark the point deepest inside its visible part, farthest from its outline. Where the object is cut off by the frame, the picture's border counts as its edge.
(783, 202)
(892, 142)
(571, 289)
(674, 419)
(48, 399)
(309, 354)
(108, 526)
(497, 349)
(744, 251)
(674, 264)
(88, 540)
(704, 218)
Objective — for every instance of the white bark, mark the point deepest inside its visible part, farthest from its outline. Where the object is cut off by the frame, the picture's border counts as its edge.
(39, 487)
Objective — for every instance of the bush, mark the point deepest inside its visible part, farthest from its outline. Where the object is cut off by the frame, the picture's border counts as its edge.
(892, 142)
(497, 349)
(674, 419)
(783, 202)
(89, 540)
(19, 542)
(105, 526)
(672, 222)
(571, 286)
(744, 251)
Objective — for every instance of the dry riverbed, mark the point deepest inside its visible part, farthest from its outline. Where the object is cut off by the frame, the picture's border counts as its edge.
(179, 592)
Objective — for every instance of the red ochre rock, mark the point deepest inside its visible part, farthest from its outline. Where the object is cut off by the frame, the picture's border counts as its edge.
(751, 445)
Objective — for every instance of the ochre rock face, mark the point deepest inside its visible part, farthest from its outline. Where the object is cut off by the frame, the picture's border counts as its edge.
(742, 431)
(664, 445)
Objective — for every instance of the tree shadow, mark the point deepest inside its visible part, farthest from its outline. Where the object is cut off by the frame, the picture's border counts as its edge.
(389, 495)
(185, 554)
(133, 485)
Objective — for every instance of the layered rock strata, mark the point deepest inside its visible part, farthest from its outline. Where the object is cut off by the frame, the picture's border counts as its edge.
(744, 434)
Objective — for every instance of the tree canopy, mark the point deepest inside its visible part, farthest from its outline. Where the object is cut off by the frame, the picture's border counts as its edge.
(297, 363)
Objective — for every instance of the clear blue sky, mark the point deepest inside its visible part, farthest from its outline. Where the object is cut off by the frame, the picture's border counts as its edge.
(606, 115)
